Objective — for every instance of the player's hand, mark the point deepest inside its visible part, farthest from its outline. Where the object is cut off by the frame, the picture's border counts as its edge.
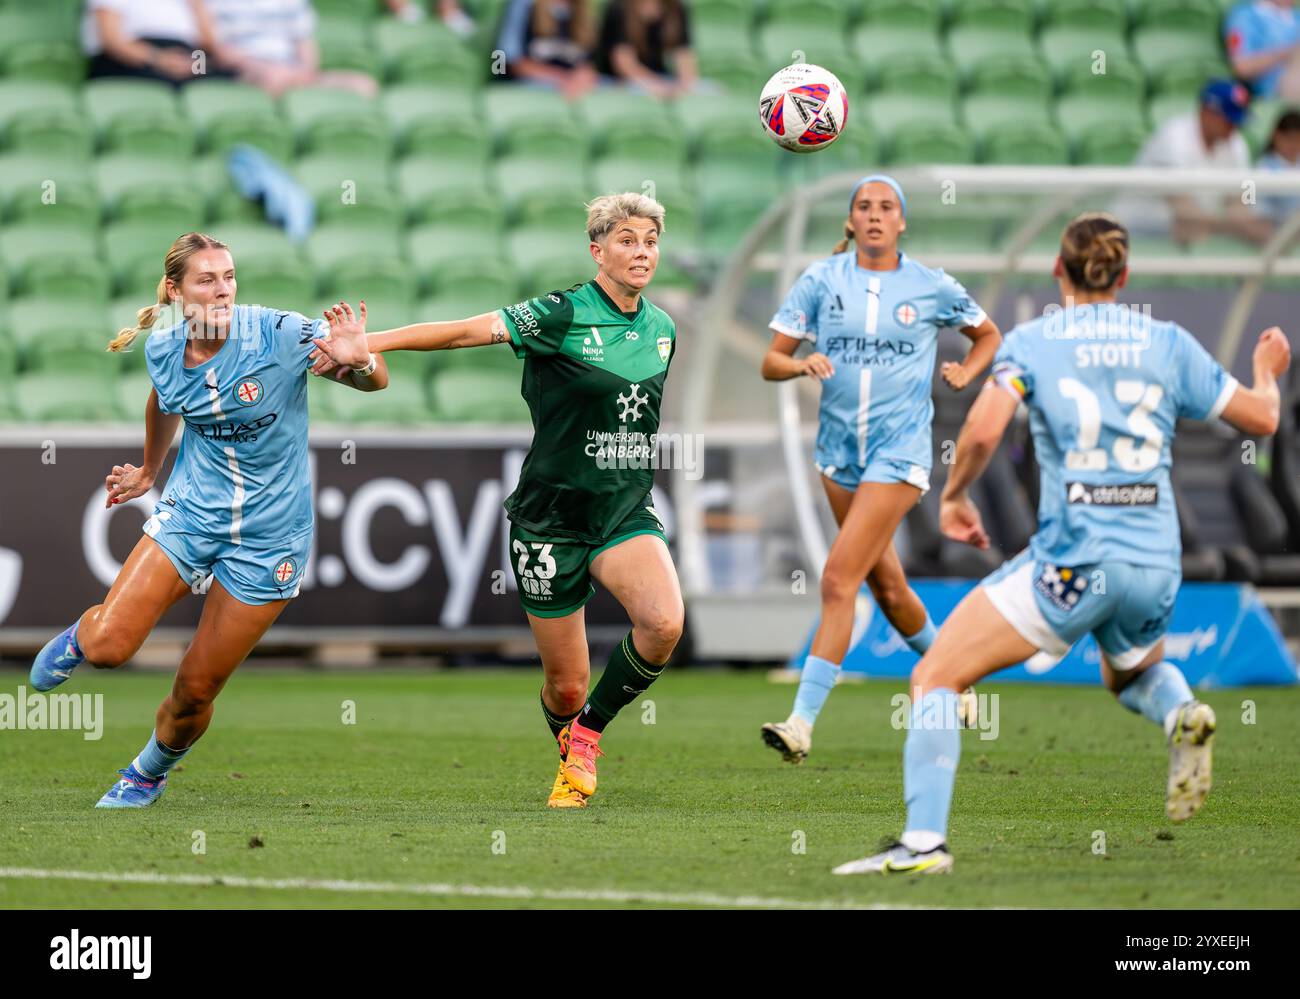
(126, 482)
(817, 366)
(173, 64)
(960, 521)
(346, 345)
(956, 375)
(1273, 351)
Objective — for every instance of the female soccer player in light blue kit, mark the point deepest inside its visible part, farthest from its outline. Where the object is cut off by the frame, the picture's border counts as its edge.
(874, 315)
(237, 506)
(1105, 386)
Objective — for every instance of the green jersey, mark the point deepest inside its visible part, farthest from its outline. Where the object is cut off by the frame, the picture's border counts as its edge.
(593, 380)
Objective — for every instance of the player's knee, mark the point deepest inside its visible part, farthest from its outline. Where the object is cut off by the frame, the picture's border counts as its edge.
(569, 694)
(931, 673)
(892, 596)
(839, 587)
(102, 648)
(662, 629)
(193, 694)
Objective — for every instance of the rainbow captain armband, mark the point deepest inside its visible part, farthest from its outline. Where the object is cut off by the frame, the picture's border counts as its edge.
(1010, 377)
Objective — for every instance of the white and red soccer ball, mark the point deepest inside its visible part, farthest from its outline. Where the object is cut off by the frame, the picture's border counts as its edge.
(803, 108)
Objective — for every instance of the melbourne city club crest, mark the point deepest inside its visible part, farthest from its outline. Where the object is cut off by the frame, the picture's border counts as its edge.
(248, 392)
(284, 571)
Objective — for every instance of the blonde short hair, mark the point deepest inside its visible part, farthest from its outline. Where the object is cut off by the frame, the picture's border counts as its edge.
(607, 211)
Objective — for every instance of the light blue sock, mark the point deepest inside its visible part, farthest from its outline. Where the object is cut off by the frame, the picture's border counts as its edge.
(920, 642)
(156, 759)
(819, 676)
(1156, 692)
(930, 758)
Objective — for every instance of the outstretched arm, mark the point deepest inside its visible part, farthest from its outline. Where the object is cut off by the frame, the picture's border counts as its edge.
(477, 331)
(1256, 410)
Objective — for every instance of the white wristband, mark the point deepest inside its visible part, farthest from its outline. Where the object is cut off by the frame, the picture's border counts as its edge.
(369, 369)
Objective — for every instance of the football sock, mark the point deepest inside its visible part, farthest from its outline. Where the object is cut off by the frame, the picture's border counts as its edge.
(923, 639)
(1157, 692)
(930, 757)
(819, 676)
(156, 759)
(626, 677)
(557, 721)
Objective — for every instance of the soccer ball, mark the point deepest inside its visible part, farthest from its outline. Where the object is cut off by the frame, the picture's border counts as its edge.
(803, 108)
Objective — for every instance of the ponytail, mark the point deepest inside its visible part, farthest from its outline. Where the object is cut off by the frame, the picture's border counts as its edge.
(847, 241)
(144, 320)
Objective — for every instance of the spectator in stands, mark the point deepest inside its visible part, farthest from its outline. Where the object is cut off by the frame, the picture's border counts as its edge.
(449, 11)
(272, 44)
(1208, 138)
(1282, 154)
(1263, 41)
(646, 43)
(550, 43)
(155, 40)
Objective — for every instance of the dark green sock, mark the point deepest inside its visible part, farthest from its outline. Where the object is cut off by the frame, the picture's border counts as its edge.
(626, 678)
(557, 722)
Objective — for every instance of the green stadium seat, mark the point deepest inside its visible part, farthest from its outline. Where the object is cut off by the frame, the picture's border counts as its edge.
(1188, 76)
(49, 132)
(150, 189)
(515, 114)
(478, 396)
(49, 190)
(882, 45)
(138, 117)
(8, 369)
(1109, 16)
(350, 190)
(858, 148)
(531, 187)
(360, 10)
(404, 403)
(253, 240)
(733, 195)
(277, 281)
(1026, 75)
(799, 12)
(699, 118)
(66, 397)
(727, 37)
(537, 254)
(373, 277)
(135, 250)
(1014, 15)
(971, 45)
(931, 142)
(1115, 145)
(1123, 80)
(941, 235)
(438, 187)
(1070, 52)
(404, 48)
(1200, 16)
(924, 14)
(346, 45)
(47, 331)
(985, 114)
(133, 392)
(924, 74)
(54, 261)
(823, 44)
(463, 304)
(433, 247)
(1161, 48)
(1026, 145)
(419, 123)
(665, 180)
(1167, 106)
(494, 358)
(738, 70)
(450, 61)
(1081, 114)
(226, 113)
(36, 44)
(324, 120)
(901, 112)
(382, 312)
(416, 365)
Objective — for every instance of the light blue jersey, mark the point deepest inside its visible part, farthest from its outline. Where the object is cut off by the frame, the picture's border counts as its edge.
(1105, 385)
(242, 474)
(1256, 27)
(879, 329)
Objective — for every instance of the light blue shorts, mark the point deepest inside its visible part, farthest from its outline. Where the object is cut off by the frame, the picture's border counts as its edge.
(878, 469)
(252, 575)
(1125, 607)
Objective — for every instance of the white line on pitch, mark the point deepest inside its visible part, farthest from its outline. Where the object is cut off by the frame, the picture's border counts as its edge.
(445, 890)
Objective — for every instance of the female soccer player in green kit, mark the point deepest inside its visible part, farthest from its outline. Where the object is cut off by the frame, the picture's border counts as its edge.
(595, 360)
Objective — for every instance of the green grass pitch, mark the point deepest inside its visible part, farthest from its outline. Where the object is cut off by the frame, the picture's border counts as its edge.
(442, 782)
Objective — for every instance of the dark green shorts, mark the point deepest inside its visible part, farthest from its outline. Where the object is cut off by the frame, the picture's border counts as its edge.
(554, 576)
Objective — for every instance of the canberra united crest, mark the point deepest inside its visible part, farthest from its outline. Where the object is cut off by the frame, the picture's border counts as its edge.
(665, 345)
(248, 392)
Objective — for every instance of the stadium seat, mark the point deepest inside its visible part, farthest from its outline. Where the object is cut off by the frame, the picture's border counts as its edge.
(62, 134)
(404, 403)
(1026, 75)
(461, 304)
(898, 113)
(431, 248)
(66, 397)
(1071, 52)
(1123, 80)
(35, 45)
(484, 396)
(1115, 145)
(924, 74)
(516, 114)
(972, 44)
(1167, 106)
(931, 142)
(1026, 144)
(986, 114)
(350, 190)
(1187, 76)
(1081, 114)
(800, 12)
(1108, 16)
(730, 112)
(822, 44)
(1160, 47)
(1012, 15)
(1199, 16)
(48, 331)
(326, 120)
(149, 189)
(454, 65)
(923, 14)
(531, 187)
(534, 249)
(665, 180)
(133, 393)
(49, 190)
(737, 70)
(879, 46)
(134, 250)
(382, 312)
(8, 363)
(54, 261)
(226, 114)
(276, 281)
(420, 125)
(346, 44)
(494, 358)
(138, 117)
